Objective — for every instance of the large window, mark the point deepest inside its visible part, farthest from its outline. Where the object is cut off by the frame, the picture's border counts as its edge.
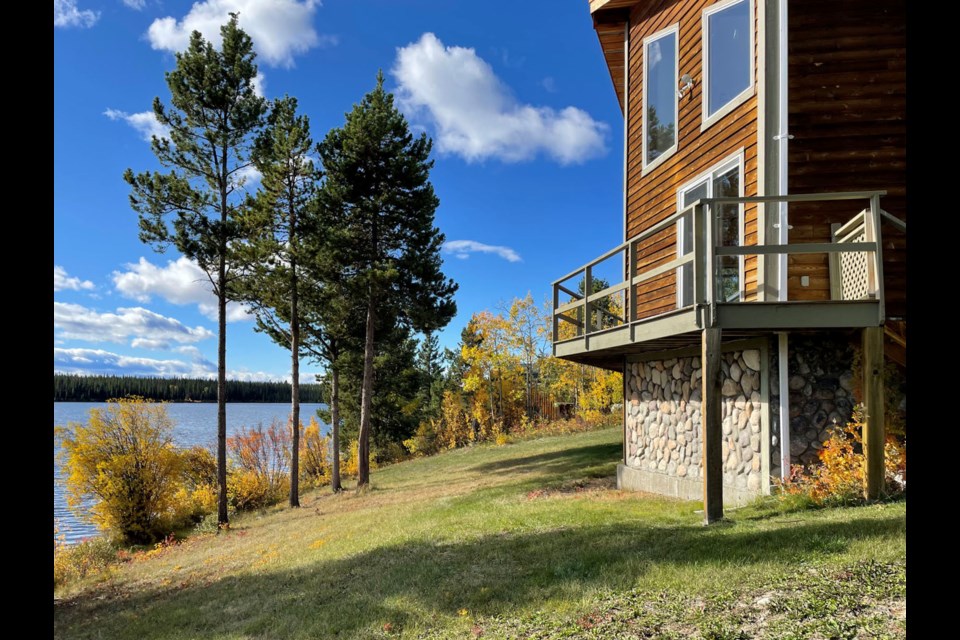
(723, 181)
(659, 97)
(727, 57)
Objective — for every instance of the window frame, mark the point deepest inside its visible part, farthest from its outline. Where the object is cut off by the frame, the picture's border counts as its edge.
(647, 167)
(734, 161)
(708, 119)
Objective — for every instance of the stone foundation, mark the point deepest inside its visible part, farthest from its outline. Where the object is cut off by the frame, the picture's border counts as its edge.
(821, 394)
(663, 422)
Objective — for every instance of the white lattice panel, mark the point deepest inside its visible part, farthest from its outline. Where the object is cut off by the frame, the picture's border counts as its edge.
(854, 278)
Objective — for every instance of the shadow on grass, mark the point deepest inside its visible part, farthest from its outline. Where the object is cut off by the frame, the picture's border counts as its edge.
(415, 582)
(567, 462)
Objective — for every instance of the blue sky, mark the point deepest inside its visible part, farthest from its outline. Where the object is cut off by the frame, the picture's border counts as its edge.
(528, 147)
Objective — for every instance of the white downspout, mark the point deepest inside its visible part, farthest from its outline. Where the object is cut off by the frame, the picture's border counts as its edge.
(784, 378)
(783, 141)
(626, 127)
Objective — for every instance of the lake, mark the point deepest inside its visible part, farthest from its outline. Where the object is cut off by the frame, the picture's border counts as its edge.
(196, 423)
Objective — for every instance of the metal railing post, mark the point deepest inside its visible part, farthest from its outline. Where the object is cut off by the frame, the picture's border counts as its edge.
(631, 289)
(710, 260)
(587, 290)
(877, 255)
(556, 320)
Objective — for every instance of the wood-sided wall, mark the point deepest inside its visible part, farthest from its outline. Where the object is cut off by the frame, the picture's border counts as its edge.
(847, 115)
(653, 197)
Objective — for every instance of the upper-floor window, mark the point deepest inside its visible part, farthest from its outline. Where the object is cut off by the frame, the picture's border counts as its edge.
(659, 96)
(727, 57)
(724, 180)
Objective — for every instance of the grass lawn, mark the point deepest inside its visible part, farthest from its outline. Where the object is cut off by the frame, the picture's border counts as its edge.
(527, 540)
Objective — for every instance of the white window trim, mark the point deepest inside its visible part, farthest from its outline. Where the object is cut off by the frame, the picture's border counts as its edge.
(706, 119)
(688, 187)
(731, 161)
(648, 167)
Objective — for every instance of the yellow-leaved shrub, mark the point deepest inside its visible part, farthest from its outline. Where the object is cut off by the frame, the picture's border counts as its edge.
(259, 475)
(840, 476)
(124, 458)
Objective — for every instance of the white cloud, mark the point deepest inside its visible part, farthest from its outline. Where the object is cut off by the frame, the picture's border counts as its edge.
(463, 248)
(247, 178)
(280, 29)
(246, 375)
(67, 14)
(146, 328)
(475, 115)
(150, 344)
(98, 361)
(102, 362)
(144, 122)
(308, 378)
(62, 281)
(260, 84)
(189, 350)
(549, 84)
(180, 282)
(135, 4)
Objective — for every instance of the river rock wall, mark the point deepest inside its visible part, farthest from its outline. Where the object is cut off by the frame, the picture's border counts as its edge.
(821, 388)
(662, 427)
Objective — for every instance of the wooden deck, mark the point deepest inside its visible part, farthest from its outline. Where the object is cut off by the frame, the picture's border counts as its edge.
(601, 327)
(606, 348)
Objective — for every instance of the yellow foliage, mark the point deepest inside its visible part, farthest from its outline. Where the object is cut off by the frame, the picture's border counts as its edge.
(73, 562)
(124, 458)
(261, 459)
(841, 475)
(350, 466)
(316, 467)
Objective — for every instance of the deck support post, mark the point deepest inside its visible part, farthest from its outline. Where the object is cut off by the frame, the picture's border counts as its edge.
(873, 428)
(711, 426)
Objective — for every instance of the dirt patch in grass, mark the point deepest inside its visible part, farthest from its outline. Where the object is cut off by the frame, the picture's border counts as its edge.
(583, 485)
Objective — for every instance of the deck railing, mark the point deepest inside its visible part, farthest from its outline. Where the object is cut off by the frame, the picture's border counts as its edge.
(855, 254)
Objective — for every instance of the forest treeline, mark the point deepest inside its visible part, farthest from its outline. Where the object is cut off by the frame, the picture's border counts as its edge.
(76, 388)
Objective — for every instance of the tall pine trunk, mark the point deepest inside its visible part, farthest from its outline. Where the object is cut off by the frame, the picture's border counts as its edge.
(366, 397)
(294, 385)
(335, 427)
(222, 517)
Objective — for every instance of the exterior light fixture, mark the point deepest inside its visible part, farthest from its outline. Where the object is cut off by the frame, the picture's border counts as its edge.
(686, 83)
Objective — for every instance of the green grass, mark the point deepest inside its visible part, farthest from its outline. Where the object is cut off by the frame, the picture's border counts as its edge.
(527, 540)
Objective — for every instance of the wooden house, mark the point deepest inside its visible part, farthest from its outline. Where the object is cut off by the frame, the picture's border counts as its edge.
(760, 284)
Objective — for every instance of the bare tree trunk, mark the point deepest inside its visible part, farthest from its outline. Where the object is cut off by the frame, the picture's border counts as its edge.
(294, 385)
(366, 397)
(335, 427)
(222, 517)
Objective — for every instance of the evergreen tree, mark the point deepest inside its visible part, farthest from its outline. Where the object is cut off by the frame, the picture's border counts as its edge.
(378, 196)
(327, 317)
(432, 382)
(194, 206)
(281, 225)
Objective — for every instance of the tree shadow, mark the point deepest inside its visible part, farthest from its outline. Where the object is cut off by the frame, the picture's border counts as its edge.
(570, 462)
(411, 583)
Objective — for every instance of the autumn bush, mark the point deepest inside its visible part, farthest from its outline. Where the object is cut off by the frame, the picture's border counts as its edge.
(197, 494)
(259, 473)
(840, 476)
(77, 561)
(316, 466)
(124, 459)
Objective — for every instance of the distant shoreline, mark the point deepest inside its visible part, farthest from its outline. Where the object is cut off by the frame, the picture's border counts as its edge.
(101, 388)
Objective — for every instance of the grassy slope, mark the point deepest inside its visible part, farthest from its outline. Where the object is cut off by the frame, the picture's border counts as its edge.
(505, 542)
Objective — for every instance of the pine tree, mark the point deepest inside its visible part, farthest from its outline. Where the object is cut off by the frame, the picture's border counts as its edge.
(281, 225)
(194, 207)
(378, 196)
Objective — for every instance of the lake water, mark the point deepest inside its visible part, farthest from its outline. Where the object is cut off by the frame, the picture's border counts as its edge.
(196, 424)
